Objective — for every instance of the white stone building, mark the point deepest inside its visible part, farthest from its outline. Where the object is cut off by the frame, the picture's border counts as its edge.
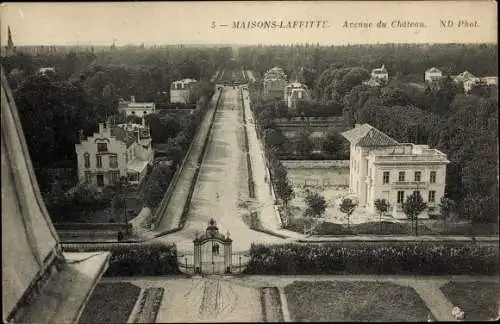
(139, 109)
(433, 74)
(380, 74)
(294, 93)
(122, 150)
(382, 168)
(181, 90)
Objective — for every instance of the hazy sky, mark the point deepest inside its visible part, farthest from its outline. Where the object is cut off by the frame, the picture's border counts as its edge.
(190, 22)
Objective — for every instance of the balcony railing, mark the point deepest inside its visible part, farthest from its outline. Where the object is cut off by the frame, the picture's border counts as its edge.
(412, 158)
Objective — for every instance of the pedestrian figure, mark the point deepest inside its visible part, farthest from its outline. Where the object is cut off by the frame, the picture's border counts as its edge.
(120, 236)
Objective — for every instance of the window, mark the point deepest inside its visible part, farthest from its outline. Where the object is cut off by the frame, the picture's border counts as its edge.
(115, 176)
(416, 193)
(102, 147)
(98, 161)
(113, 161)
(401, 197)
(386, 177)
(418, 175)
(86, 159)
(88, 177)
(432, 196)
(401, 176)
(432, 178)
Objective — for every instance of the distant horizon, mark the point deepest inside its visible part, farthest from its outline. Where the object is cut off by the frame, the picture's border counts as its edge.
(247, 44)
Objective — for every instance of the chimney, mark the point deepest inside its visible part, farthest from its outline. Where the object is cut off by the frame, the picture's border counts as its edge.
(80, 135)
(132, 99)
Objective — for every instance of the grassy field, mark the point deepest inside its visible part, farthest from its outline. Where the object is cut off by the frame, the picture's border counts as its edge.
(479, 300)
(110, 303)
(354, 301)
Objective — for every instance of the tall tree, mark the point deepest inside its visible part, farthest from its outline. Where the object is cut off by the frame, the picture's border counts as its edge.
(347, 207)
(412, 207)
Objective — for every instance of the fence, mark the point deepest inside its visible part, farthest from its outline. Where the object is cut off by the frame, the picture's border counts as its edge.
(239, 262)
(251, 184)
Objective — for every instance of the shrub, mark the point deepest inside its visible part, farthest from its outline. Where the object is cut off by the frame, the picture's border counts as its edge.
(140, 259)
(361, 258)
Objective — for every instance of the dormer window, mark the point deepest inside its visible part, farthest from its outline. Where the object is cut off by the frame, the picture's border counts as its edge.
(102, 147)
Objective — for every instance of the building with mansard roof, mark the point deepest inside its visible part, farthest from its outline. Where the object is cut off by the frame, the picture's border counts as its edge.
(382, 168)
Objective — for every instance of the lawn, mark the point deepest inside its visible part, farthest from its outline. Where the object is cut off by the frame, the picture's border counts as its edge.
(334, 301)
(110, 303)
(479, 300)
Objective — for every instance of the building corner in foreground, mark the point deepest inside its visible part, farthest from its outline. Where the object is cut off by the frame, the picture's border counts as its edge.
(40, 282)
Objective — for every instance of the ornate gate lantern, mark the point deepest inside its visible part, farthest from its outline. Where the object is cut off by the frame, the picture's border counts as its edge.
(212, 236)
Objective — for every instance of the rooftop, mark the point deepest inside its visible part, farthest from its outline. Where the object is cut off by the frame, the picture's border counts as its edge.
(367, 136)
(434, 70)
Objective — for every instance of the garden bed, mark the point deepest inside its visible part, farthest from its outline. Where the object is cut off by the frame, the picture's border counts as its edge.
(369, 228)
(148, 306)
(335, 301)
(271, 304)
(478, 300)
(110, 303)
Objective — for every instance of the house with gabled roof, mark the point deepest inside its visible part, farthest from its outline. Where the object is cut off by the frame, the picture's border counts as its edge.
(382, 168)
(116, 151)
(433, 74)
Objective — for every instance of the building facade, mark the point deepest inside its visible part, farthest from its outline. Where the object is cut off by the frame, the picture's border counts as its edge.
(382, 168)
(433, 75)
(294, 93)
(122, 150)
(139, 109)
(181, 90)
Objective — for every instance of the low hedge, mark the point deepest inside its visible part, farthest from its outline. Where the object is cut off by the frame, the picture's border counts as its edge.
(140, 259)
(431, 258)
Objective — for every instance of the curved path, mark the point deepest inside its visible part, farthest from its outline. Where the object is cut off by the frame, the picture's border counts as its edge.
(222, 189)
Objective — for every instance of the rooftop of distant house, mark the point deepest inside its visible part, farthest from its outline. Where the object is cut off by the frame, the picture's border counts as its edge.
(433, 70)
(379, 70)
(184, 81)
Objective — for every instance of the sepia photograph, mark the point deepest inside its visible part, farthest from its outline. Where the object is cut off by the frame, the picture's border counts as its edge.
(249, 161)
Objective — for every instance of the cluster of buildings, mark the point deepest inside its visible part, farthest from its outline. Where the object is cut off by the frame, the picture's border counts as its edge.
(275, 86)
(433, 75)
(114, 152)
(382, 168)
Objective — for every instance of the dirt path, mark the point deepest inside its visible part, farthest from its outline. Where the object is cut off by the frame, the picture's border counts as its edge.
(209, 300)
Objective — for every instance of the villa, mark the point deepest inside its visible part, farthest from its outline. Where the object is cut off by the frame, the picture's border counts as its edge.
(382, 168)
(117, 151)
